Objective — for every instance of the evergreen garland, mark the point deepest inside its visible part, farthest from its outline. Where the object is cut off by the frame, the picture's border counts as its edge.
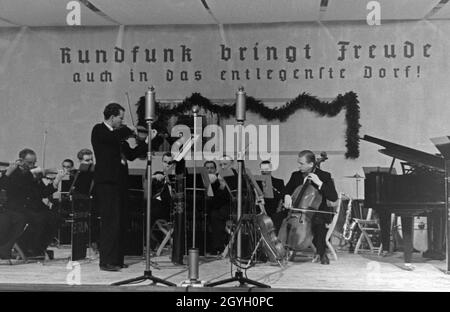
(348, 101)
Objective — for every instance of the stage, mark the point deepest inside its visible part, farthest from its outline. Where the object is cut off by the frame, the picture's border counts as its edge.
(362, 272)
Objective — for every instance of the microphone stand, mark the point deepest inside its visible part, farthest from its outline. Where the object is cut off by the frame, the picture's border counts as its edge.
(149, 116)
(239, 277)
(193, 261)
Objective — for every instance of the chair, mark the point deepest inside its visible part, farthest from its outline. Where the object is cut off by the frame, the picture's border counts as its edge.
(369, 228)
(331, 227)
(167, 229)
(341, 215)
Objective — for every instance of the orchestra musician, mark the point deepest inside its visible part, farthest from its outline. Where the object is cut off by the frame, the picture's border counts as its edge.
(67, 165)
(25, 194)
(222, 203)
(12, 223)
(163, 191)
(85, 156)
(110, 178)
(323, 182)
(273, 205)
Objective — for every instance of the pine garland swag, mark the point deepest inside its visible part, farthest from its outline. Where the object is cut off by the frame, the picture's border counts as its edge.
(348, 101)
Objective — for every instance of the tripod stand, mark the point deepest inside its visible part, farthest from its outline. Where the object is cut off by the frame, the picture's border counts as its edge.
(240, 117)
(149, 111)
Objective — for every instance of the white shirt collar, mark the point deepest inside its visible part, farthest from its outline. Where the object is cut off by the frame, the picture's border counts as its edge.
(109, 127)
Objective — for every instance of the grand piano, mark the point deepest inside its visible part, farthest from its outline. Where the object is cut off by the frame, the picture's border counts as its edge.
(419, 191)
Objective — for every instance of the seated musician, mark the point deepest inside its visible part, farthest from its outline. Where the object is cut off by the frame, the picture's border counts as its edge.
(162, 189)
(273, 205)
(85, 156)
(25, 192)
(323, 182)
(67, 165)
(221, 207)
(12, 223)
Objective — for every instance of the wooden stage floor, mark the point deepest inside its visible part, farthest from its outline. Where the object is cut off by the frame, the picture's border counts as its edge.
(350, 272)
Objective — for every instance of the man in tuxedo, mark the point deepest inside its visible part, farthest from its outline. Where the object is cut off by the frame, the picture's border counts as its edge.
(323, 182)
(110, 177)
(273, 205)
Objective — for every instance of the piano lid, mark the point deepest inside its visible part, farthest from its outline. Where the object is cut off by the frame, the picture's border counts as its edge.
(408, 154)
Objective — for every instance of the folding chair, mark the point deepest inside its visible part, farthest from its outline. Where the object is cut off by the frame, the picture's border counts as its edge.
(369, 228)
(167, 229)
(341, 215)
(331, 227)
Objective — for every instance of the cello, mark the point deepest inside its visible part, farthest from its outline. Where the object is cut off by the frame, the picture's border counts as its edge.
(273, 247)
(296, 230)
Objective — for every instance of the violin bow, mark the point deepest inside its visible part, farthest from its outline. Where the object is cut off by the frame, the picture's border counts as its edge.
(44, 147)
(129, 108)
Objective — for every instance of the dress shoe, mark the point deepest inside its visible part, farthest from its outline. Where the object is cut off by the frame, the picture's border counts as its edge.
(324, 259)
(110, 267)
(316, 258)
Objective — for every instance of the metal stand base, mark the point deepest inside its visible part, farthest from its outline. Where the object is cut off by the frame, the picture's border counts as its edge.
(238, 277)
(146, 277)
(194, 283)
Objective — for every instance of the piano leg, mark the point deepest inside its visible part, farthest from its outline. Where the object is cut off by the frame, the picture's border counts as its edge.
(436, 235)
(385, 227)
(407, 231)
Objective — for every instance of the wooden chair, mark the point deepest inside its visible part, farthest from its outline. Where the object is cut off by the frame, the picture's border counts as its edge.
(368, 227)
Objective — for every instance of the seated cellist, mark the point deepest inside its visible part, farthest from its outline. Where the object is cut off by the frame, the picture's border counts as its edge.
(323, 182)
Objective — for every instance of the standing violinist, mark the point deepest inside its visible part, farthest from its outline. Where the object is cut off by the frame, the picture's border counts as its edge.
(110, 177)
(323, 182)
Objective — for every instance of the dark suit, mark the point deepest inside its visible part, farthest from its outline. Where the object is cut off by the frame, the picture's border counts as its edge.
(111, 188)
(11, 225)
(24, 197)
(328, 192)
(219, 210)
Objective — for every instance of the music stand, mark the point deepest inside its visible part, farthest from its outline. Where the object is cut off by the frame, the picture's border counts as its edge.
(265, 184)
(202, 183)
(443, 145)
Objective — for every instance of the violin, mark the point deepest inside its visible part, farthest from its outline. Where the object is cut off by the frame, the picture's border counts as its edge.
(296, 229)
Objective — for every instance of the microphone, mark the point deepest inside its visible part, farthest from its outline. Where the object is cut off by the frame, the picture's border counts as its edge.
(150, 104)
(240, 104)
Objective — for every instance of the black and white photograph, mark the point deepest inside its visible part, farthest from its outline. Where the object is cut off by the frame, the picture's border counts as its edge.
(224, 146)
